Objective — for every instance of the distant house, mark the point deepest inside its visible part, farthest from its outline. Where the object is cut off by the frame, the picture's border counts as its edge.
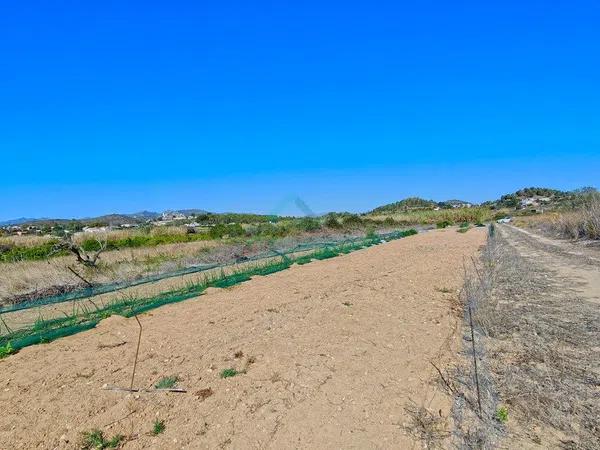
(534, 201)
(168, 216)
(459, 204)
(95, 229)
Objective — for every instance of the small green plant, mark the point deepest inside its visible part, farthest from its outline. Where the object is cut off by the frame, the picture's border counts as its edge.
(228, 373)
(6, 350)
(463, 230)
(444, 290)
(167, 382)
(347, 304)
(158, 427)
(95, 439)
(464, 225)
(443, 224)
(501, 414)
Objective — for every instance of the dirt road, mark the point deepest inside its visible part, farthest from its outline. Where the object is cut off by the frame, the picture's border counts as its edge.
(574, 263)
(331, 354)
(543, 341)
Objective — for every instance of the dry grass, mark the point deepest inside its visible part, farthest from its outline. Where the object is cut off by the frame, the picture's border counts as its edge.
(25, 279)
(28, 240)
(114, 235)
(30, 277)
(537, 355)
(427, 426)
(430, 217)
(583, 223)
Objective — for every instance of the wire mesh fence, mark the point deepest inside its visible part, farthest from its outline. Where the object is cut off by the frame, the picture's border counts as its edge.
(49, 318)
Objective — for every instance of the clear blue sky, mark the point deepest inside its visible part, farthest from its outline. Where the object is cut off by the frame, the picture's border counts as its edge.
(115, 106)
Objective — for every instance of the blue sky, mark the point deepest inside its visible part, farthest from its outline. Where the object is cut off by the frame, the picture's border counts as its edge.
(121, 106)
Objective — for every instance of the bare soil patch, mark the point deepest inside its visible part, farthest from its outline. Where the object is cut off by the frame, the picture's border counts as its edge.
(331, 354)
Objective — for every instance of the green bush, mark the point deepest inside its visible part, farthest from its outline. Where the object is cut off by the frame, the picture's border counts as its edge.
(352, 221)
(12, 253)
(332, 222)
(230, 230)
(308, 224)
(443, 224)
(6, 350)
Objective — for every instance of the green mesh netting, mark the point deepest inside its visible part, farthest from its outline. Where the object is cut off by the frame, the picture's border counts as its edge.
(46, 330)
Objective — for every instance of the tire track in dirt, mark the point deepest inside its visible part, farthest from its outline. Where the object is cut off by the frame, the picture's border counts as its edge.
(574, 263)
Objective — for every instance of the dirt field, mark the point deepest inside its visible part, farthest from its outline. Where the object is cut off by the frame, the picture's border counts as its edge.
(333, 352)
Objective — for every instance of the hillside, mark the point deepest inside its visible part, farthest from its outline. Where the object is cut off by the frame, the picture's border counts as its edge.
(405, 205)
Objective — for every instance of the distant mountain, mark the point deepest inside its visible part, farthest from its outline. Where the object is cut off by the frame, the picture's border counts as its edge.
(189, 212)
(108, 219)
(144, 215)
(19, 221)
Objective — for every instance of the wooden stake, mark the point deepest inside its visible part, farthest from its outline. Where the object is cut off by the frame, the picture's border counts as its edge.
(137, 351)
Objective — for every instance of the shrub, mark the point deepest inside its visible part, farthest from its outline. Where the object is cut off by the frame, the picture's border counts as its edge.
(332, 222)
(231, 230)
(389, 222)
(308, 224)
(352, 221)
(443, 224)
(6, 350)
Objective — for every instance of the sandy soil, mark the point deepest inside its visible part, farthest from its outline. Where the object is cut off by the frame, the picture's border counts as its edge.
(333, 351)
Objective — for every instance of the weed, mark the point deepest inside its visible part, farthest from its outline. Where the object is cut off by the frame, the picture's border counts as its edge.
(501, 414)
(444, 290)
(228, 373)
(347, 304)
(158, 427)
(463, 229)
(167, 382)
(443, 224)
(6, 350)
(95, 439)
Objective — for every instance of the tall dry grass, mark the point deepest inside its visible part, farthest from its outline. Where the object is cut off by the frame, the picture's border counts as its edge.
(28, 277)
(430, 217)
(582, 223)
(27, 240)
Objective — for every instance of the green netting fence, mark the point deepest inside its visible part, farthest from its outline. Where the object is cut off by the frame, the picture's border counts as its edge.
(84, 317)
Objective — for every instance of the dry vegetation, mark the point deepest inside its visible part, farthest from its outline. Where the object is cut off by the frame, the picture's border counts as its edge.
(580, 223)
(432, 217)
(536, 346)
(23, 280)
(37, 277)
